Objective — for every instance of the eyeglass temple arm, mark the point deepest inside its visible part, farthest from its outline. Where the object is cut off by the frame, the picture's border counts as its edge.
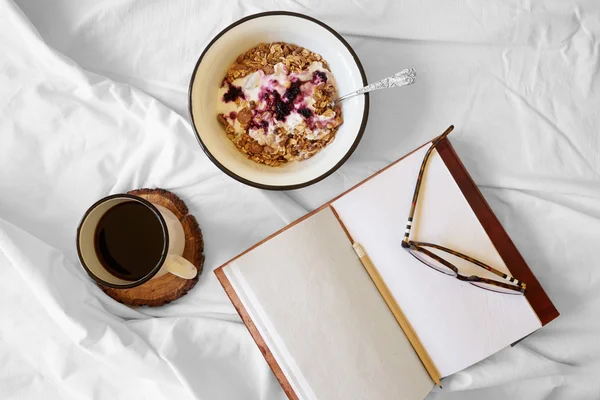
(493, 270)
(418, 185)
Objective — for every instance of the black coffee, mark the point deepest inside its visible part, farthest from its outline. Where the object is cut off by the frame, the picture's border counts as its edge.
(129, 240)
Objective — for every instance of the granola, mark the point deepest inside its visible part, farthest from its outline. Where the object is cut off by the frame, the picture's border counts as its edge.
(276, 103)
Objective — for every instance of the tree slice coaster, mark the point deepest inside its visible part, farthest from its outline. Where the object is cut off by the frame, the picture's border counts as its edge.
(168, 287)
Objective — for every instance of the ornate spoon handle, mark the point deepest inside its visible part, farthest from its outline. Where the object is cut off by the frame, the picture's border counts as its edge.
(403, 78)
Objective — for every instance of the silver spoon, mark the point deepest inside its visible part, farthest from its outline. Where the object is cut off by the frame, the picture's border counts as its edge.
(403, 78)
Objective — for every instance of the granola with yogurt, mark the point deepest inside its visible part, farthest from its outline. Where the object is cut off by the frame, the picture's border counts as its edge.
(275, 103)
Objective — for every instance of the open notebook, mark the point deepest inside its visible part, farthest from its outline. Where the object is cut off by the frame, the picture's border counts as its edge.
(320, 321)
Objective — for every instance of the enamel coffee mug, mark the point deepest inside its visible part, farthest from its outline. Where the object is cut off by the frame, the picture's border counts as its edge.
(124, 240)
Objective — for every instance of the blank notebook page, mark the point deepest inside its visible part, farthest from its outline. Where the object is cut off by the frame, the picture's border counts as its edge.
(458, 323)
(322, 317)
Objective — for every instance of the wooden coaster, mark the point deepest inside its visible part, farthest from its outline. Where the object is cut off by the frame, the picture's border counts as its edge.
(168, 287)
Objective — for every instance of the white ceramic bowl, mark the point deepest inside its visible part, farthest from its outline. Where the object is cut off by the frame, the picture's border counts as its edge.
(267, 27)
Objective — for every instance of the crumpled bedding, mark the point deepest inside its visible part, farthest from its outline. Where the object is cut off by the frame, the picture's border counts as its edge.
(93, 100)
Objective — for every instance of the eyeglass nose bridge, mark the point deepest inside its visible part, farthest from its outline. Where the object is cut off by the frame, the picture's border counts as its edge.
(470, 278)
(411, 246)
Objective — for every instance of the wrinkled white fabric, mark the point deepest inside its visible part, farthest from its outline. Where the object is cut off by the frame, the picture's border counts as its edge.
(96, 104)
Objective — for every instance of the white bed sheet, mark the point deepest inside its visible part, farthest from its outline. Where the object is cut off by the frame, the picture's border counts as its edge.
(96, 104)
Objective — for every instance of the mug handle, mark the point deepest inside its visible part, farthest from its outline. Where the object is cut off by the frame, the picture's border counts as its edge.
(180, 267)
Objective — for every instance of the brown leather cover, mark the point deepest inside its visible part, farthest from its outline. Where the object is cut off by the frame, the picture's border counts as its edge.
(537, 297)
(539, 300)
(260, 342)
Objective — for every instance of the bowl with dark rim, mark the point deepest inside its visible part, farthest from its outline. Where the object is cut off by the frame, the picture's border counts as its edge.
(267, 27)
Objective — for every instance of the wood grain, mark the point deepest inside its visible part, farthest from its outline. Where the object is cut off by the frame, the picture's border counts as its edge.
(167, 288)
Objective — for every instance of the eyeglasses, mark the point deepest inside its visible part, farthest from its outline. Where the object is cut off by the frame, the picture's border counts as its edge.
(426, 252)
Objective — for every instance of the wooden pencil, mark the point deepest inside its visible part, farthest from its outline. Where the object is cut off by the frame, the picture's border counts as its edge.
(398, 314)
